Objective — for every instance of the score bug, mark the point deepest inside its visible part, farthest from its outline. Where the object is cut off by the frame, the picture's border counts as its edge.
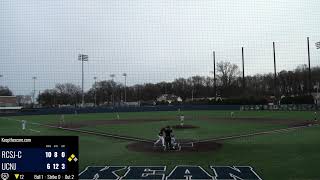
(51, 155)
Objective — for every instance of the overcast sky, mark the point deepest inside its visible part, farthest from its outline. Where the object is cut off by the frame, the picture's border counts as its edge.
(150, 40)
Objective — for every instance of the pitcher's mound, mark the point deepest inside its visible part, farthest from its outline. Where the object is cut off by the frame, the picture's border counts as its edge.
(186, 126)
(195, 147)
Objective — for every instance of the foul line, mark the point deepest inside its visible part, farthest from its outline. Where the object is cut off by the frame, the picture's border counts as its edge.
(34, 130)
(256, 134)
(115, 136)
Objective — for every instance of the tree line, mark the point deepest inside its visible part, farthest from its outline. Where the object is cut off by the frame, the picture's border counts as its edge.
(229, 85)
(5, 91)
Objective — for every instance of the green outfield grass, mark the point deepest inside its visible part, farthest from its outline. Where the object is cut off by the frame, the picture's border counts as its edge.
(291, 155)
(206, 129)
(294, 115)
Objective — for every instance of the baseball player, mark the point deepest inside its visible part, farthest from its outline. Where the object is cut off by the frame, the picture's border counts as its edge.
(24, 124)
(181, 119)
(232, 114)
(118, 116)
(160, 138)
(174, 143)
(315, 116)
(167, 137)
(62, 122)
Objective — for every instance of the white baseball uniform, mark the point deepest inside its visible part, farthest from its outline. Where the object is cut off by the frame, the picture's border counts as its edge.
(160, 138)
(182, 120)
(24, 124)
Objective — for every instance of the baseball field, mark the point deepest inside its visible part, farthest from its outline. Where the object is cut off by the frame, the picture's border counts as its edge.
(278, 145)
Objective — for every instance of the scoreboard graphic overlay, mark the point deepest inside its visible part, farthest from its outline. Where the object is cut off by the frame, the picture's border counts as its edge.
(39, 157)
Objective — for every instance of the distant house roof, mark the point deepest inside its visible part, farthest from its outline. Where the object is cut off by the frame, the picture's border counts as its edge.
(8, 100)
(169, 97)
(10, 108)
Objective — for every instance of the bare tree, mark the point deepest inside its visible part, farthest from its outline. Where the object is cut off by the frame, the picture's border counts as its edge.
(24, 100)
(68, 93)
(5, 91)
(227, 73)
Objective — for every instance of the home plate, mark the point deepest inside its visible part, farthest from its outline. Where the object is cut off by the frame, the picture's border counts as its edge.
(186, 144)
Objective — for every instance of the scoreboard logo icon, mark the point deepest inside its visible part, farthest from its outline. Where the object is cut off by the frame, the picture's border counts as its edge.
(4, 176)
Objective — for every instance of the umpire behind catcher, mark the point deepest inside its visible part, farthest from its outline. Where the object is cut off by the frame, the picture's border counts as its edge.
(167, 138)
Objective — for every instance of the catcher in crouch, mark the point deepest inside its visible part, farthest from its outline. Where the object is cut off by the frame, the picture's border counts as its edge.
(175, 145)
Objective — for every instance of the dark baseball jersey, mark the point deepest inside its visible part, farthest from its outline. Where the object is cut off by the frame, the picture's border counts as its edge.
(168, 132)
(161, 132)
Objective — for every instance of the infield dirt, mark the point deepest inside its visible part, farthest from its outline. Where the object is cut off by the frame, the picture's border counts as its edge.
(197, 147)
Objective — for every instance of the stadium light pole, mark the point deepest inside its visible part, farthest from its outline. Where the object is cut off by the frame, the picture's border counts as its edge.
(309, 75)
(82, 58)
(34, 89)
(95, 91)
(125, 87)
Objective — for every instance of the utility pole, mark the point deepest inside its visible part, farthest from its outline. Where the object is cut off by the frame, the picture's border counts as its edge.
(112, 96)
(275, 70)
(95, 91)
(243, 80)
(34, 89)
(309, 75)
(0, 78)
(82, 58)
(125, 87)
(214, 75)
(192, 94)
(39, 100)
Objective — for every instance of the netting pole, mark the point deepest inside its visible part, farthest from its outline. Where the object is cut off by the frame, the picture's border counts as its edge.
(214, 75)
(309, 77)
(275, 70)
(34, 90)
(243, 80)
